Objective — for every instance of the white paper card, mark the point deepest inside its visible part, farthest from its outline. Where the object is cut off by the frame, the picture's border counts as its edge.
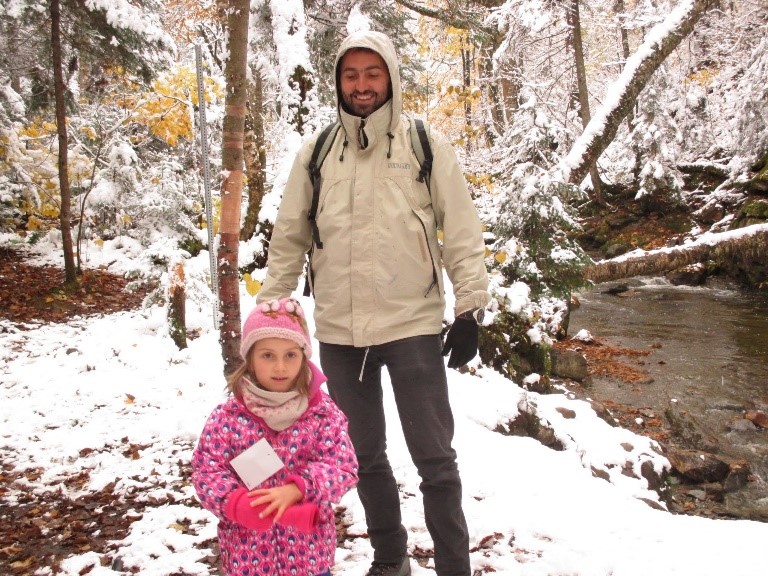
(256, 464)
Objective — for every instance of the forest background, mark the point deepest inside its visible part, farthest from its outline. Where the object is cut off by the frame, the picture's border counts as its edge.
(559, 111)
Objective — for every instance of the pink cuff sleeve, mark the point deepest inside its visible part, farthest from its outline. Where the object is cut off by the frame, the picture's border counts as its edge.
(299, 481)
(302, 517)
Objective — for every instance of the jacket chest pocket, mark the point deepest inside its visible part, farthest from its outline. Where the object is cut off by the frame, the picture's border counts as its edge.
(417, 199)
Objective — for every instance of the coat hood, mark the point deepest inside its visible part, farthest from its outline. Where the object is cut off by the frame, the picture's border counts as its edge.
(383, 46)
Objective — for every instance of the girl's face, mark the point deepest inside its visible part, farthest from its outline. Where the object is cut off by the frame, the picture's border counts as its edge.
(276, 363)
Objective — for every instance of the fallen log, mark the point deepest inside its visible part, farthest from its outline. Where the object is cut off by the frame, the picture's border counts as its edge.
(728, 249)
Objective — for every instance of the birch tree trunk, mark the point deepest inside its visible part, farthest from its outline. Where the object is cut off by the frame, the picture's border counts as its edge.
(232, 188)
(602, 128)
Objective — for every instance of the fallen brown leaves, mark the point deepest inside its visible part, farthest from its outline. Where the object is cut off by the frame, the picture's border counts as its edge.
(611, 361)
(37, 294)
(623, 365)
(39, 530)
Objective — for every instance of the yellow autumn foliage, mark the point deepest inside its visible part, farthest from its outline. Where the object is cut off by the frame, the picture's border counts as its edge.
(38, 128)
(480, 180)
(169, 108)
(183, 18)
(39, 159)
(704, 77)
(251, 284)
(446, 97)
(34, 223)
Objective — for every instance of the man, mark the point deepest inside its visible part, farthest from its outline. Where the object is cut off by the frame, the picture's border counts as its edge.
(376, 274)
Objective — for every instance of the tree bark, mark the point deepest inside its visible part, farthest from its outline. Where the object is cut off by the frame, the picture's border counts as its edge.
(466, 78)
(746, 244)
(65, 211)
(255, 158)
(232, 189)
(619, 8)
(601, 129)
(177, 296)
(574, 19)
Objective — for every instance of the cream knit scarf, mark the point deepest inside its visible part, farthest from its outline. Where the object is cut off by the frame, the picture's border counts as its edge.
(278, 409)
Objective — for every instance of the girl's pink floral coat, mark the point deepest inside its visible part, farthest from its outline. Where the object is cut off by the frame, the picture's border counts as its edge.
(316, 452)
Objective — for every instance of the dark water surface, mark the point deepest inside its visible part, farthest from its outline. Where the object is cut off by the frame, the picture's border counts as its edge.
(708, 357)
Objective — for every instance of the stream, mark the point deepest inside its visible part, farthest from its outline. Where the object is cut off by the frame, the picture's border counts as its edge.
(708, 357)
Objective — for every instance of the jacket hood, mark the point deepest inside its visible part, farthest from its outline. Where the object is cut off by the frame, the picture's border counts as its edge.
(318, 378)
(382, 45)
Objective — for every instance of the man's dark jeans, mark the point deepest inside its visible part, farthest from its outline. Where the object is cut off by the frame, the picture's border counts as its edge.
(417, 372)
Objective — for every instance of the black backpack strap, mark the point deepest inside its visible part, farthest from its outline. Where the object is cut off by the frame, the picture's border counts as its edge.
(422, 149)
(320, 151)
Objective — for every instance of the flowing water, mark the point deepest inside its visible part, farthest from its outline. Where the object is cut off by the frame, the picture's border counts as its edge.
(708, 357)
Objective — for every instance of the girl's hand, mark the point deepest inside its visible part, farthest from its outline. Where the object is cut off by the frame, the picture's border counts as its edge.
(275, 500)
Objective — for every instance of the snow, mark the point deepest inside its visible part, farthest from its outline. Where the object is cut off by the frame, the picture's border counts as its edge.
(74, 395)
(122, 14)
(703, 239)
(619, 87)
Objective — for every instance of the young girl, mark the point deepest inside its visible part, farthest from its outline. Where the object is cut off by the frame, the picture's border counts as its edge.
(286, 524)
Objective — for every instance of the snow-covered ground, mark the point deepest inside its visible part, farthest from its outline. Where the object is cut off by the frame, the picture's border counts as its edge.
(72, 393)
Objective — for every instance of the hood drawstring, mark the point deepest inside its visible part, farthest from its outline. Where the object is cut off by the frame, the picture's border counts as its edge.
(362, 368)
(389, 150)
(344, 147)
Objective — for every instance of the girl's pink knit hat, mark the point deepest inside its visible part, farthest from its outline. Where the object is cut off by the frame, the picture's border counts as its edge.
(282, 318)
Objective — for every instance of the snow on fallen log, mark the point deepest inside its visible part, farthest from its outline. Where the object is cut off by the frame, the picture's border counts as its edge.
(742, 244)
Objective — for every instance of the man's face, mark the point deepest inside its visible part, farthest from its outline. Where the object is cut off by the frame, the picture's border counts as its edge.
(363, 81)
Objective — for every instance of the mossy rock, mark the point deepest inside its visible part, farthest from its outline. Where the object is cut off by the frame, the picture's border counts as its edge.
(505, 347)
(758, 184)
(754, 209)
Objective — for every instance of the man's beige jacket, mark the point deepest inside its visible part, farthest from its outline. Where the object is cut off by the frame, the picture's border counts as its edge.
(378, 277)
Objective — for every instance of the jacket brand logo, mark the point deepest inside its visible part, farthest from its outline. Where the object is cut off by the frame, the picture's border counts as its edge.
(399, 165)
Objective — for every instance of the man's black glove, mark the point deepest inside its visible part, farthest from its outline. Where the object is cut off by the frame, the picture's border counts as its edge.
(461, 342)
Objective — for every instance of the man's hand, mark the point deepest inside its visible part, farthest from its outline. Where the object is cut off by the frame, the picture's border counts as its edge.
(461, 342)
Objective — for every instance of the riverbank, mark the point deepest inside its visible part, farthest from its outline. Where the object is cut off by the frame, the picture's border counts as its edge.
(686, 367)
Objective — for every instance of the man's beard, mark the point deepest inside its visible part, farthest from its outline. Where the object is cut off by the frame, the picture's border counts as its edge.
(364, 109)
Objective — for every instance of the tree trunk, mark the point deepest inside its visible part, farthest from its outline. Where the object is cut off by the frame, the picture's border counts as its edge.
(254, 147)
(601, 129)
(619, 9)
(495, 86)
(466, 79)
(232, 189)
(177, 296)
(510, 86)
(12, 38)
(574, 19)
(65, 212)
(727, 249)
